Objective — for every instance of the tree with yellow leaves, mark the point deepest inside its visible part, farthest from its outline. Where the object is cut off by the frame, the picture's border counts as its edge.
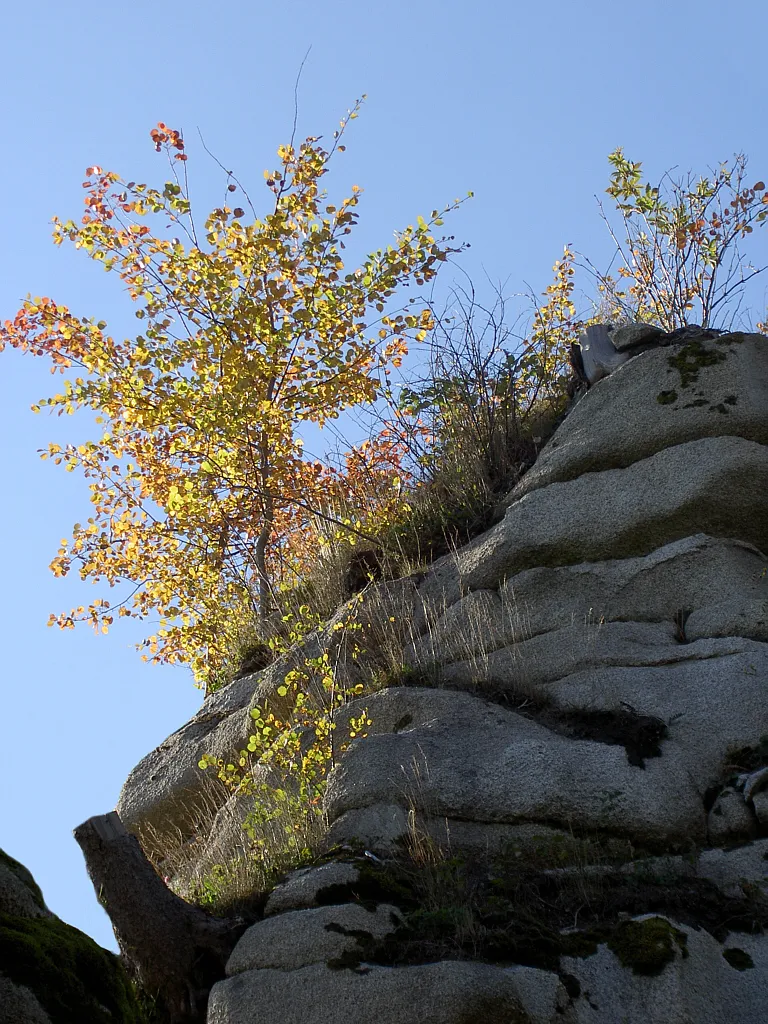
(252, 326)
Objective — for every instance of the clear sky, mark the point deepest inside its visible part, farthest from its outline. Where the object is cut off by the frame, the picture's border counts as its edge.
(520, 103)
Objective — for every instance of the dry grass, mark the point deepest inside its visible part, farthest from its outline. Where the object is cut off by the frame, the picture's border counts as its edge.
(230, 858)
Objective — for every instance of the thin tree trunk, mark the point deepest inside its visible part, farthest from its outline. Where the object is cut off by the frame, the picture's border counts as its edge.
(268, 513)
(176, 951)
(265, 591)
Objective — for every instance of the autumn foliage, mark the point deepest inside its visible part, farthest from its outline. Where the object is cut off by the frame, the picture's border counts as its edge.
(251, 326)
(680, 257)
(204, 501)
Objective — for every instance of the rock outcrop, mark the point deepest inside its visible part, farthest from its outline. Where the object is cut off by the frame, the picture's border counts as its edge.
(51, 973)
(579, 718)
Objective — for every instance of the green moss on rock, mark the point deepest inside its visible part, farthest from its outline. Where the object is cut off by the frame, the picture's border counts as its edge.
(517, 910)
(647, 946)
(73, 978)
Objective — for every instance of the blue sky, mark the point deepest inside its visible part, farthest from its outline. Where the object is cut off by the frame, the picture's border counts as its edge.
(519, 103)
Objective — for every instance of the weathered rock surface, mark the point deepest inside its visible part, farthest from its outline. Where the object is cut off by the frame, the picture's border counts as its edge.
(594, 438)
(19, 1005)
(732, 870)
(380, 826)
(730, 818)
(19, 893)
(682, 974)
(441, 993)
(498, 766)
(592, 669)
(550, 656)
(166, 789)
(700, 984)
(760, 804)
(299, 938)
(164, 792)
(717, 485)
(302, 887)
(676, 579)
(739, 615)
(629, 336)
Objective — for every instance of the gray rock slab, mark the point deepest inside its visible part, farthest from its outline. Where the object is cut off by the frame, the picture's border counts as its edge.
(713, 702)
(167, 787)
(16, 898)
(754, 782)
(680, 576)
(738, 615)
(542, 994)
(387, 828)
(302, 937)
(512, 771)
(505, 768)
(760, 804)
(718, 485)
(380, 827)
(402, 708)
(474, 624)
(492, 839)
(719, 685)
(621, 420)
(302, 887)
(447, 992)
(730, 869)
(549, 656)
(700, 988)
(598, 354)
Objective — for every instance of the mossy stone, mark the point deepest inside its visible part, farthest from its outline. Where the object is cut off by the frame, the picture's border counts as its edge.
(647, 946)
(24, 876)
(691, 358)
(73, 978)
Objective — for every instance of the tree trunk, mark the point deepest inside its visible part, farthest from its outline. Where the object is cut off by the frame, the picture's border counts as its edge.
(265, 591)
(176, 951)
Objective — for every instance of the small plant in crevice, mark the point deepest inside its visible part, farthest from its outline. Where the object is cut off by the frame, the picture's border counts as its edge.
(236, 887)
(426, 675)
(281, 776)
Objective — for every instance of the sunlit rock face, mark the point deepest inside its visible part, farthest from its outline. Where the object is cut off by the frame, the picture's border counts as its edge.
(573, 755)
